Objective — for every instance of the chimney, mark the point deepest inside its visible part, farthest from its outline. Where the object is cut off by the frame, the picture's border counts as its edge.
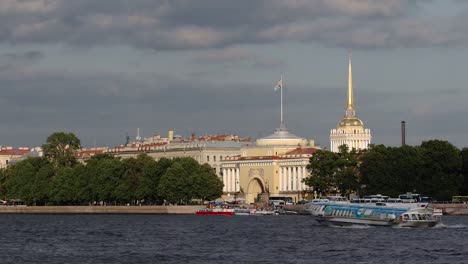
(403, 133)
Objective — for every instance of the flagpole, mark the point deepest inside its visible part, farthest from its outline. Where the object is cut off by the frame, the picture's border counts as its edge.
(282, 120)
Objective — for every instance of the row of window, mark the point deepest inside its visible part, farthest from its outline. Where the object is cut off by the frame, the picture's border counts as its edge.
(214, 158)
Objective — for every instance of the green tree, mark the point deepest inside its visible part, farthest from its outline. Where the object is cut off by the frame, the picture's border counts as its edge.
(391, 170)
(175, 184)
(63, 186)
(442, 165)
(127, 189)
(29, 180)
(322, 166)
(464, 171)
(152, 173)
(60, 148)
(347, 172)
(105, 173)
(85, 193)
(206, 184)
(334, 172)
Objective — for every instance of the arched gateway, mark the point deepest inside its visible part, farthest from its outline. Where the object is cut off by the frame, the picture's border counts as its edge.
(255, 187)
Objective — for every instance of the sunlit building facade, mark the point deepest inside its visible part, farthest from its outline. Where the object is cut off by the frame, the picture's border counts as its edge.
(350, 130)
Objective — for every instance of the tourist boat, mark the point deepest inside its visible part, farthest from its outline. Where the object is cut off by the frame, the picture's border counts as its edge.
(375, 214)
(215, 211)
(418, 218)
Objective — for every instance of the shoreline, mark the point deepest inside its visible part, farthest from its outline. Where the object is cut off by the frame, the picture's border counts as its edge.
(80, 209)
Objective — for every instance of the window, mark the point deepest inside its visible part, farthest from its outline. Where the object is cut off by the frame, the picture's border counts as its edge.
(214, 158)
(208, 158)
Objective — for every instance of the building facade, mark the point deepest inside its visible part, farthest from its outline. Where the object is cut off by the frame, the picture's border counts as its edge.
(276, 166)
(204, 149)
(350, 130)
(9, 155)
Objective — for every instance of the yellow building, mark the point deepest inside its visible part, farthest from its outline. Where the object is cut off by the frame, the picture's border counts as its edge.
(350, 129)
(277, 170)
(275, 166)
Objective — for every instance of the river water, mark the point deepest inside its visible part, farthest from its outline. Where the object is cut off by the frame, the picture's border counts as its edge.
(222, 239)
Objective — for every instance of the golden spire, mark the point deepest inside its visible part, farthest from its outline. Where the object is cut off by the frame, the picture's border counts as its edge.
(350, 104)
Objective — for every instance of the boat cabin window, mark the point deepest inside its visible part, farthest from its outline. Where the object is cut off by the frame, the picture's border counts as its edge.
(406, 217)
(414, 217)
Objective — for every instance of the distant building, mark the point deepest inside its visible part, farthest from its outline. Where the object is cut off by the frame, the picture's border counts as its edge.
(350, 130)
(9, 155)
(276, 166)
(86, 153)
(209, 149)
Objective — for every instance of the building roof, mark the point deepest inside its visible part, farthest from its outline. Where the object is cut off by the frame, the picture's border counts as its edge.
(350, 121)
(302, 151)
(281, 137)
(14, 152)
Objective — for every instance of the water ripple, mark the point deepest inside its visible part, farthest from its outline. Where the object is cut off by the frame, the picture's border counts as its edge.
(195, 239)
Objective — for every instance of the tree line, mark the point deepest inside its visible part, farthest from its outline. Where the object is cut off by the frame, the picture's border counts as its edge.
(59, 179)
(435, 168)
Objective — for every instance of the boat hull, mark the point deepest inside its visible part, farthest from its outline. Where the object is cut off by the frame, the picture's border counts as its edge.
(338, 221)
(418, 224)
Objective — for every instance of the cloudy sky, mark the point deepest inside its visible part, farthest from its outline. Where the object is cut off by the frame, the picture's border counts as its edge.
(103, 68)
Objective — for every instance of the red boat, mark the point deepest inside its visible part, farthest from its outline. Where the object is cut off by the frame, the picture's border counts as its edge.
(215, 211)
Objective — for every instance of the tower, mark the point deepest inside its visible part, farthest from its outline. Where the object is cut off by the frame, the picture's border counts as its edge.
(350, 129)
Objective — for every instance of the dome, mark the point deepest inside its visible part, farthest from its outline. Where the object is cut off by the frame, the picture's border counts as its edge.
(281, 137)
(350, 121)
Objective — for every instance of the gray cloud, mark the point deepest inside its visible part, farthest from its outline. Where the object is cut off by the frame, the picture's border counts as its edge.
(233, 56)
(188, 24)
(102, 107)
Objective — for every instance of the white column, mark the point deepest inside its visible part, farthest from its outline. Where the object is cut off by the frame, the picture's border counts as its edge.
(280, 179)
(237, 179)
(285, 179)
(225, 180)
(289, 178)
(304, 175)
(300, 177)
(294, 186)
(229, 180)
(233, 180)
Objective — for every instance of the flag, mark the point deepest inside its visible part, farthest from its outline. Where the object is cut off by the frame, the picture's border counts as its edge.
(279, 84)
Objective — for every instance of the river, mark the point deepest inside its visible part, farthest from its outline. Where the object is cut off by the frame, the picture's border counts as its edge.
(222, 239)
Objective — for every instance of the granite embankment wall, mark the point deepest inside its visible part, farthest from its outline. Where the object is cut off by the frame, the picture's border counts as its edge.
(189, 209)
(452, 209)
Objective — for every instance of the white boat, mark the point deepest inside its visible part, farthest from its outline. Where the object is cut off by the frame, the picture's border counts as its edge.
(241, 211)
(418, 218)
(264, 212)
(378, 214)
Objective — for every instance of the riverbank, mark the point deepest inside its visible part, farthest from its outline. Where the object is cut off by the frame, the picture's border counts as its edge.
(182, 209)
(452, 208)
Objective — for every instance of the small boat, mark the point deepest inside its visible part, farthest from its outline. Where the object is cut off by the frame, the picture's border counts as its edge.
(215, 211)
(241, 211)
(264, 212)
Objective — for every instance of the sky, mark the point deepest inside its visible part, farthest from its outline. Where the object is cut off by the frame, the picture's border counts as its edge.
(102, 69)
